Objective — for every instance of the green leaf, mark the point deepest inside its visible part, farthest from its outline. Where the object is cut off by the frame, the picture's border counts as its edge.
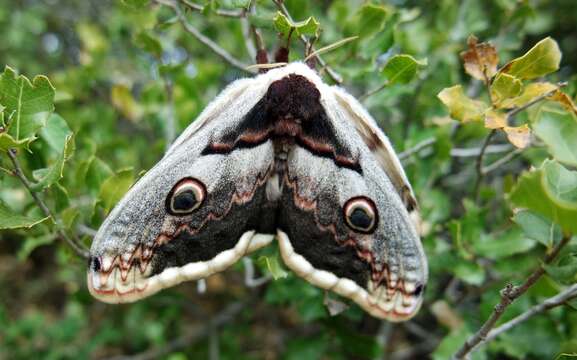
(558, 129)
(503, 245)
(451, 343)
(538, 228)
(8, 142)
(542, 59)
(56, 132)
(565, 272)
(48, 176)
(461, 107)
(550, 191)
(305, 348)
(470, 272)
(149, 43)
(125, 103)
(368, 20)
(284, 26)
(10, 220)
(93, 172)
(69, 216)
(401, 69)
(273, 265)
(505, 86)
(565, 356)
(115, 187)
(136, 4)
(27, 104)
(31, 243)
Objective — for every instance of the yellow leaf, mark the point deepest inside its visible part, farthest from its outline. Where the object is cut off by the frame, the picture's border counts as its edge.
(504, 87)
(480, 60)
(520, 136)
(564, 100)
(446, 315)
(495, 119)
(540, 60)
(461, 107)
(530, 93)
(124, 102)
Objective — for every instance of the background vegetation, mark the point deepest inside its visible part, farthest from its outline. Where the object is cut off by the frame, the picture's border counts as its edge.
(479, 143)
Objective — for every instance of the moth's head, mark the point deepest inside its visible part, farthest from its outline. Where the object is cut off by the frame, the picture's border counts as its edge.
(144, 235)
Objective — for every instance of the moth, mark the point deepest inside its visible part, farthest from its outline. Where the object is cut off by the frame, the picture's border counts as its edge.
(279, 156)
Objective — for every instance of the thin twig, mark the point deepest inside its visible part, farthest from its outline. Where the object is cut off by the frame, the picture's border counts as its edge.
(464, 152)
(510, 115)
(336, 77)
(509, 294)
(479, 164)
(418, 147)
(247, 32)
(475, 151)
(203, 39)
(77, 248)
(329, 47)
(505, 159)
(249, 279)
(201, 286)
(219, 12)
(170, 129)
(85, 230)
(373, 92)
(517, 110)
(552, 302)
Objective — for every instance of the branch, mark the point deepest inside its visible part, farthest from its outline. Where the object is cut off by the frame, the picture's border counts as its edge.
(552, 302)
(79, 249)
(220, 12)
(509, 294)
(203, 39)
(336, 77)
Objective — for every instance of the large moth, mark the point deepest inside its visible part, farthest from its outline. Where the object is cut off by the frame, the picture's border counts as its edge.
(279, 156)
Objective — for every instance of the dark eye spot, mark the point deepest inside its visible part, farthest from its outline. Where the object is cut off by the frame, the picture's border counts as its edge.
(185, 197)
(359, 218)
(184, 201)
(360, 214)
(419, 290)
(96, 264)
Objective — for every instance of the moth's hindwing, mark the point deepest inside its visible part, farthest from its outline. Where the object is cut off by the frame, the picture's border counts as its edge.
(281, 153)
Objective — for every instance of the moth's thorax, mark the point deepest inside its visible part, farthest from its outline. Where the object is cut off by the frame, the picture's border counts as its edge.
(293, 97)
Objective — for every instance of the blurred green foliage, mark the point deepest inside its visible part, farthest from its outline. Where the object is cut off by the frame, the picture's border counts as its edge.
(113, 81)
